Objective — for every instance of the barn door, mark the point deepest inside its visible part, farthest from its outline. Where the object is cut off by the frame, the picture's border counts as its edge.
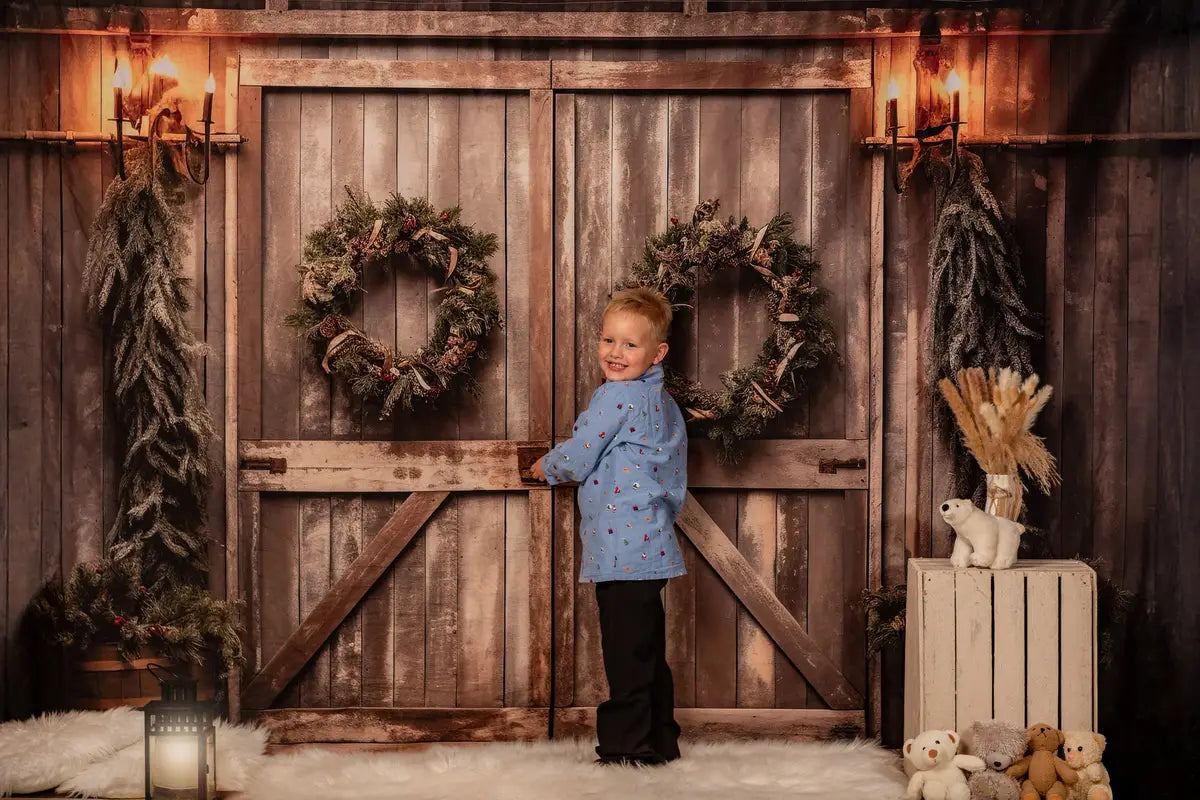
(764, 636)
(396, 572)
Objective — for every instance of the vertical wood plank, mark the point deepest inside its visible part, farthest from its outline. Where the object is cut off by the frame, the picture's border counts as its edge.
(716, 608)
(1055, 315)
(683, 188)
(827, 414)
(108, 483)
(755, 650)
(593, 281)
(1078, 666)
(1008, 648)
(6, 162)
(1189, 628)
(481, 518)
(972, 646)
(1144, 250)
(1041, 662)
(938, 656)
(380, 317)
(316, 208)
(82, 432)
(281, 362)
(412, 330)
(441, 532)
(520, 541)
(346, 511)
(914, 615)
(565, 214)
(539, 587)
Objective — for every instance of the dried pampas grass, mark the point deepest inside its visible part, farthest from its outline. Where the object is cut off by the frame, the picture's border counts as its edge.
(995, 415)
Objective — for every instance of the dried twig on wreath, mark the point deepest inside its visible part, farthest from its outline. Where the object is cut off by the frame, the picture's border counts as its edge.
(679, 260)
(405, 232)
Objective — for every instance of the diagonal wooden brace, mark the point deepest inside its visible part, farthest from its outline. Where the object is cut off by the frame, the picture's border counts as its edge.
(781, 626)
(335, 606)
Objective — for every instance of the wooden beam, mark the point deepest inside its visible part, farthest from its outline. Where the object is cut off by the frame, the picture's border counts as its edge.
(335, 606)
(494, 465)
(875, 457)
(821, 673)
(604, 76)
(232, 543)
(541, 262)
(733, 723)
(564, 25)
(778, 464)
(403, 725)
(342, 73)
(356, 466)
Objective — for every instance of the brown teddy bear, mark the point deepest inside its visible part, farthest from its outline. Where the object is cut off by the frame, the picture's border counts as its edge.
(1000, 745)
(1048, 775)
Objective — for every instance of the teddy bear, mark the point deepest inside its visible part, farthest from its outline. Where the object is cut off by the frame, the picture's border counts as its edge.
(999, 744)
(1083, 750)
(983, 539)
(938, 776)
(1046, 775)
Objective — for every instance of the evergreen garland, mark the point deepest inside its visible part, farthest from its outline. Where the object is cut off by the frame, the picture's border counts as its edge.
(677, 261)
(133, 270)
(978, 318)
(364, 236)
(106, 601)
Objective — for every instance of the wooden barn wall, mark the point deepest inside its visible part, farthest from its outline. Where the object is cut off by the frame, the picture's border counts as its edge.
(1109, 237)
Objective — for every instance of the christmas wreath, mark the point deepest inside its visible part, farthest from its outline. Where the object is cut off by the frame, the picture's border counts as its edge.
(404, 231)
(679, 260)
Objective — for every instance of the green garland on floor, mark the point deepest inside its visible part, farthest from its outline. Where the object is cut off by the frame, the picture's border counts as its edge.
(682, 258)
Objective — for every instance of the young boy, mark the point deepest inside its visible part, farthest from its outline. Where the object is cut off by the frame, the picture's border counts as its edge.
(629, 455)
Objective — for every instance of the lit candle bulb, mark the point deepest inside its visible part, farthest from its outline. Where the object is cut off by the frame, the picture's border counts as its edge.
(210, 87)
(954, 85)
(165, 76)
(122, 82)
(892, 97)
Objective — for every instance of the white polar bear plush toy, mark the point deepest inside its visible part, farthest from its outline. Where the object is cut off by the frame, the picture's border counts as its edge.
(983, 539)
(939, 768)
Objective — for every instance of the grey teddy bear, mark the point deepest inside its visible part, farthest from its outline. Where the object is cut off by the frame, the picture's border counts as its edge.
(999, 744)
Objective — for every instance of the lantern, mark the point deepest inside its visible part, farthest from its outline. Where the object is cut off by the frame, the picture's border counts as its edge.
(180, 744)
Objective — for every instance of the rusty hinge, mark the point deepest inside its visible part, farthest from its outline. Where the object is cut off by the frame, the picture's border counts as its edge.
(830, 466)
(277, 466)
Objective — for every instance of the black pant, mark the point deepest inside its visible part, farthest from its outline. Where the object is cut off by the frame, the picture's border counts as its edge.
(638, 719)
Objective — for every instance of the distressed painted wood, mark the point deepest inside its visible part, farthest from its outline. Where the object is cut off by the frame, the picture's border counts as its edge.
(717, 724)
(376, 557)
(403, 725)
(381, 73)
(714, 545)
(664, 76)
(1016, 644)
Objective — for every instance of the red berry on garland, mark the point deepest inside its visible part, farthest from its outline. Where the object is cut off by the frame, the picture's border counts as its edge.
(410, 223)
(444, 216)
(143, 590)
(328, 327)
(674, 220)
(119, 621)
(387, 377)
(99, 570)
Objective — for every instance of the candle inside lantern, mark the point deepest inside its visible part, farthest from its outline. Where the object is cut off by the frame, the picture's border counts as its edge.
(122, 82)
(175, 762)
(210, 87)
(954, 86)
(892, 98)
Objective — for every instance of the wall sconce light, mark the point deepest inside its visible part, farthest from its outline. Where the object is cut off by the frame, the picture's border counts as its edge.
(154, 80)
(937, 104)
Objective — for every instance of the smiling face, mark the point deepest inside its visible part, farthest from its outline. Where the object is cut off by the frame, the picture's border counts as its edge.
(627, 348)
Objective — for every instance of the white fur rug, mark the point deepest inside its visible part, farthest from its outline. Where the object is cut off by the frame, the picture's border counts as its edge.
(101, 754)
(564, 770)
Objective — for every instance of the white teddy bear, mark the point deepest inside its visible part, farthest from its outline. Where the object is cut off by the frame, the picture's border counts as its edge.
(983, 539)
(939, 769)
(1084, 750)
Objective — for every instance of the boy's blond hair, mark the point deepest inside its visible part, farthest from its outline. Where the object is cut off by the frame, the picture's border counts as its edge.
(647, 303)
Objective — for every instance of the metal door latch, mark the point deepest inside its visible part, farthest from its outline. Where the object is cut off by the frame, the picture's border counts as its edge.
(277, 466)
(830, 466)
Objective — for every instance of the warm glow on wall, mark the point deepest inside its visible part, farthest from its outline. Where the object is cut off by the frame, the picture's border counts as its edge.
(123, 78)
(164, 66)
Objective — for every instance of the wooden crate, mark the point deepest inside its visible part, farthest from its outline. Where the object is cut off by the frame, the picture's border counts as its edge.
(1017, 645)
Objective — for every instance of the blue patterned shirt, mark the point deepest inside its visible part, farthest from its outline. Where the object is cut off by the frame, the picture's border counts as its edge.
(629, 455)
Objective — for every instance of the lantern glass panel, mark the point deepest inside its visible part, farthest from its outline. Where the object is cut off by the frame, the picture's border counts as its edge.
(180, 751)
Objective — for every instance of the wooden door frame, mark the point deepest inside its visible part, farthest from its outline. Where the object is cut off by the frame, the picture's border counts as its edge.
(254, 466)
